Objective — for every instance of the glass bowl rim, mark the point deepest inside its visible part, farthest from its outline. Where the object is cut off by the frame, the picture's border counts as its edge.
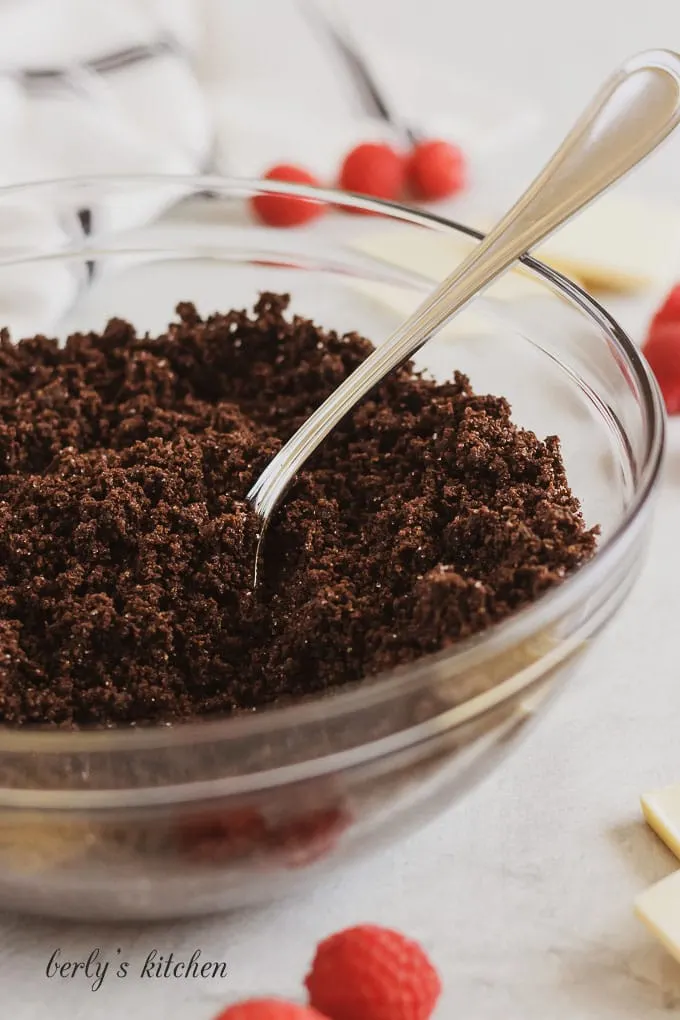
(395, 682)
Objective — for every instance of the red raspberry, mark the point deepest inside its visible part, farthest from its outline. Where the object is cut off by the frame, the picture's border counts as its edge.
(374, 169)
(217, 836)
(310, 837)
(221, 836)
(269, 1009)
(435, 169)
(670, 309)
(287, 210)
(372, 973)
(662, 350)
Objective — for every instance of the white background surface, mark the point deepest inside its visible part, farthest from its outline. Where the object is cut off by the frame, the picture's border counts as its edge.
(522, 893)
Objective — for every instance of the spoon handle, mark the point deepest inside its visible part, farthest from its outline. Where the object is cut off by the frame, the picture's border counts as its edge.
(636, 109)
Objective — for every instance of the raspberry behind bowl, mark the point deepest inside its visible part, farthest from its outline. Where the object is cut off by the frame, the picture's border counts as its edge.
(287, 210)
(156, 822)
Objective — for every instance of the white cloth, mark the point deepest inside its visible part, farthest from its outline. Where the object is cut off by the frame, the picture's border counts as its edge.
(148, 117)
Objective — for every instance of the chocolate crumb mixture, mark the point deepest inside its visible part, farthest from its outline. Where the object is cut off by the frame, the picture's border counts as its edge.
(127, 546)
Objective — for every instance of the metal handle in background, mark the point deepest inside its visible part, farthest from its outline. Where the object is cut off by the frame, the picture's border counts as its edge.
(636, 110)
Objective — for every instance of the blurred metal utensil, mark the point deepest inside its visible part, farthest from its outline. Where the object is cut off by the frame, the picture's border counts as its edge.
(374, 96)
(42, 80)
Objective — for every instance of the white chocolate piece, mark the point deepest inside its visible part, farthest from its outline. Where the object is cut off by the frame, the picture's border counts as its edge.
(661, 809)
(33, 846)
(659, 909)
(434, 256)
(618, 244)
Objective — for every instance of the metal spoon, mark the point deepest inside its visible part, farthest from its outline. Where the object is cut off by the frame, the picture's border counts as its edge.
(634, 112)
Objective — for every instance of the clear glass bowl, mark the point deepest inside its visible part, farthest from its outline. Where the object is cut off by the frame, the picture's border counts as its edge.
(199, 818)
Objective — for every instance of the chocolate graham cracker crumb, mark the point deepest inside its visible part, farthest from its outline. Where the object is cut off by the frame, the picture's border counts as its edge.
(127, 546)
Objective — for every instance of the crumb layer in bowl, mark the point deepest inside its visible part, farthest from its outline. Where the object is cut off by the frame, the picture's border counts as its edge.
(127, 547)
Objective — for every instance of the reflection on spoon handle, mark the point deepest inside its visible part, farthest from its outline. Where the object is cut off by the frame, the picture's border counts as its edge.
(635, 111)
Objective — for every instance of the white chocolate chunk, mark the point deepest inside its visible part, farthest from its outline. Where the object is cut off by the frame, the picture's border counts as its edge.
(661, 809)
(619, 244)
(659, 909)
(434, 256)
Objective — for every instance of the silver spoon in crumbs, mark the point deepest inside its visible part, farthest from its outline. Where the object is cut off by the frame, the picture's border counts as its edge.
(634, 112)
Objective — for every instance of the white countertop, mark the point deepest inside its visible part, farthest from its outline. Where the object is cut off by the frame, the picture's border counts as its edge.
(523, 892)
